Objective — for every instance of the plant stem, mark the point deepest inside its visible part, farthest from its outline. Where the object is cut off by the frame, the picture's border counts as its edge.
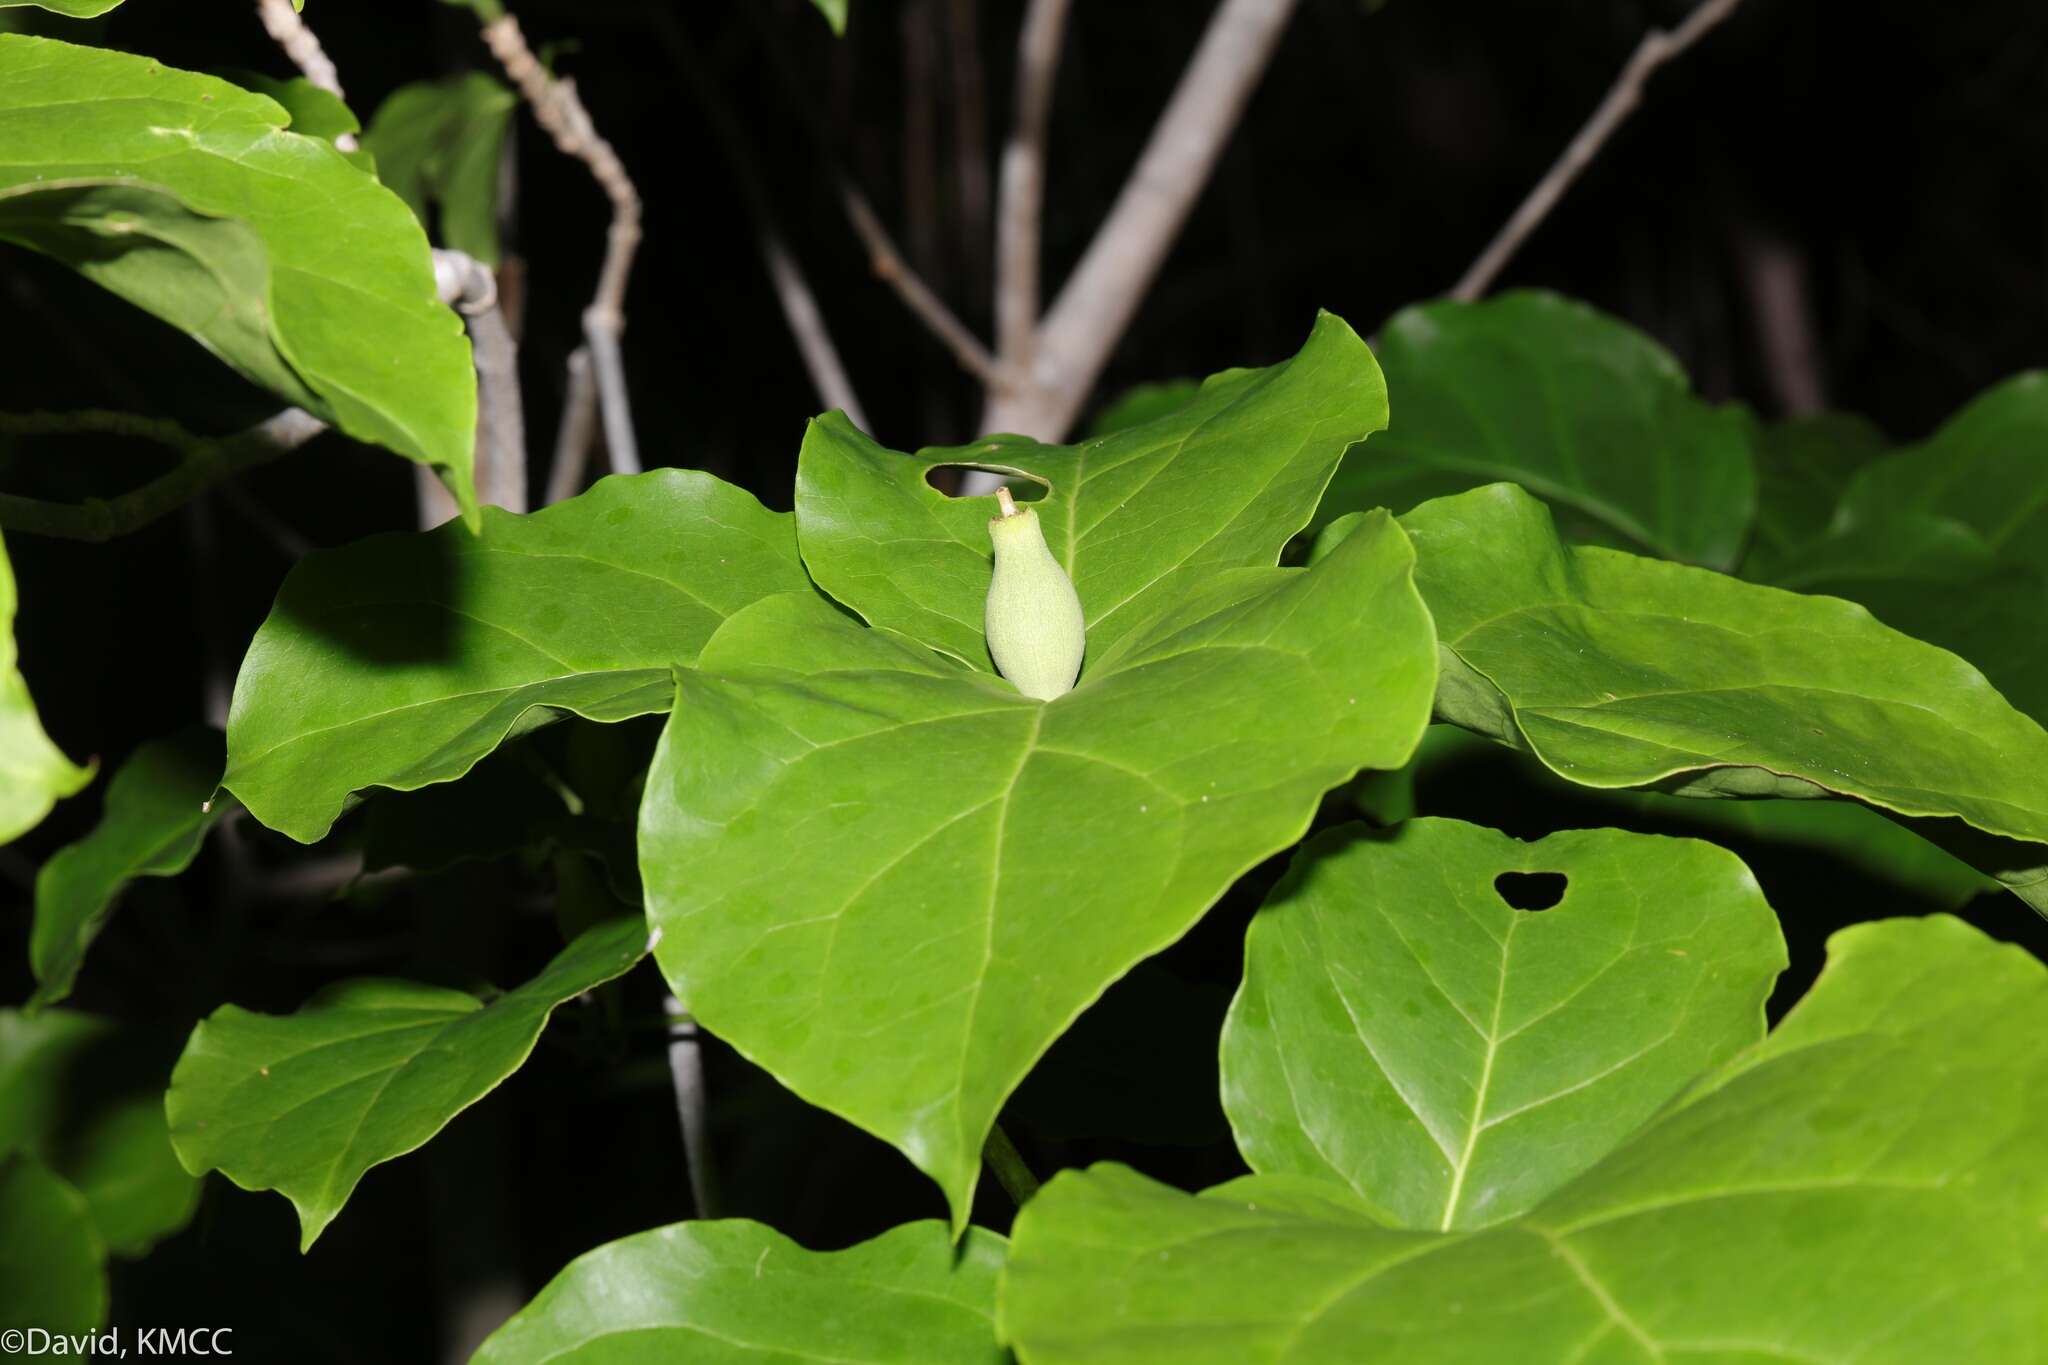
(1007, 1163)
(205, 461)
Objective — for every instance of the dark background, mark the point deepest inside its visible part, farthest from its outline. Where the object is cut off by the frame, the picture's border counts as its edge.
(1885, 158)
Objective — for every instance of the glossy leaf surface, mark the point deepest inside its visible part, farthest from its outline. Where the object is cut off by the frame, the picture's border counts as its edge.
(736, 1293)
(893, 883)
(1406, 1032)
(438, 146)
(157, 815)
(1458, 773)
(402, 660)
(1943, 540)
(1135, 517)
(1862, 1187)
(1584, 411)
(70, 9)
(1619, 671)
(34, 774)
(130, 186)
(365, 1071)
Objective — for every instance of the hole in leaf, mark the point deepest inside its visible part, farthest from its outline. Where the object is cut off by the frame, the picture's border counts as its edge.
(945, 478)
(1530, 890)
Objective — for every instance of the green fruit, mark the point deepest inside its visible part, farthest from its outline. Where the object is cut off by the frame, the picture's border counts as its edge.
(1035, 631)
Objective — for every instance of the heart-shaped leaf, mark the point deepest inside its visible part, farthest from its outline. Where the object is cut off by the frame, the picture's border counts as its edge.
(1865, 1186)
(157, 815)
(737, 1293)
(1584, 411)
(401, 660)
(367, 1070)
(893, 882)
(1134, 517)
(185, 195)
(1407, 1032)
(1619, 671)
(34, 774)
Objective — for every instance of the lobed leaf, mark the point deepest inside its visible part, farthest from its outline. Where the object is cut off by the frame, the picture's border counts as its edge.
(735, 1293)
(893, 882)
(1406, 1032)
(402, 660)
(365, 1071)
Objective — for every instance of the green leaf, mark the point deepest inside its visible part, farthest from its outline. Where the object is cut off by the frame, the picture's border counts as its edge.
(157, 815)
(1944, 540)
(1143, 403)
(365, 1071)
(892, 882)
(1579, 408)
(1984, 469)
(439, 144)
(1404, 1031)
(738, 1293)
(833, 10)
(1940, 581)
(70, 9)
(403, 659)
(315, 110)
(34, 774)
(182, 194)
(85, 1097)
(1864, 1186)
(1134, 517)
(1456, 772)
(53, 1271)
(1618, 671)
(1803, 468)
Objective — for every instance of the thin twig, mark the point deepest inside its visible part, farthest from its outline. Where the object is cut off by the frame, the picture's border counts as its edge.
(287, 28)
(889, 267)
(576, 431)
(792, 290)
(884, 259)
(204, 461)
(1098, 300)
(559, 111)
(1022, 210)
(807, 325)
(467, 285)
(1656, 48)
